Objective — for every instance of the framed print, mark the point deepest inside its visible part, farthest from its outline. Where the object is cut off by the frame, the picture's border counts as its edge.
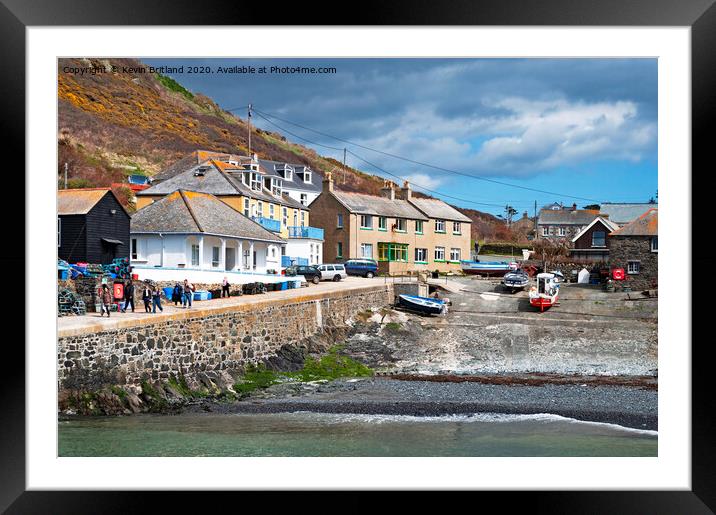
(421, 251)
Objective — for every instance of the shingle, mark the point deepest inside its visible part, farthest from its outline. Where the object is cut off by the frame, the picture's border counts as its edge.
(196, 212)
(379, 206)
(435, 208)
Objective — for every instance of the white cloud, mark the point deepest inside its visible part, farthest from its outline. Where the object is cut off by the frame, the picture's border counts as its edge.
(424, 180)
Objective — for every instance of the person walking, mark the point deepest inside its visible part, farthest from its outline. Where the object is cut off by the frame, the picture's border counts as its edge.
(157, 299)
(106, 297)
(128, 296)
(188, 293)
(225, 288)
(147, 298)
(177, 294)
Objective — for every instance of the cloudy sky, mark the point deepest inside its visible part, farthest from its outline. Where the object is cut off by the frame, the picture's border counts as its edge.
(578, 129)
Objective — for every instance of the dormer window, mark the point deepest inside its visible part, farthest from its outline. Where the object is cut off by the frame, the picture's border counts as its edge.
(277, 187)
(201, 171)
(255, 182)
(307, 176)
(287, 172)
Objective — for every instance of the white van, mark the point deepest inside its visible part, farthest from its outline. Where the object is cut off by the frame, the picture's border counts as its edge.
(332, 272)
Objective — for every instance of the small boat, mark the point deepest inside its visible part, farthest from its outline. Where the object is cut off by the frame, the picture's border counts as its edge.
(546, 293)
(487, 267)
(423, 304)
(558, 276)
(516, 280)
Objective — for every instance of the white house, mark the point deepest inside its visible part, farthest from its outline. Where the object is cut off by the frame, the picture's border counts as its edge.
(298, 181)
(197, 236)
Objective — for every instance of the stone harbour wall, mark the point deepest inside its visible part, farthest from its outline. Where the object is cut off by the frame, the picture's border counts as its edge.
(219, 340)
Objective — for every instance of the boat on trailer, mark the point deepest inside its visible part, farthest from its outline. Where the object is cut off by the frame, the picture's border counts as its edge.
(487, 267)
(516, 280)
(546, 293)
(426, 305)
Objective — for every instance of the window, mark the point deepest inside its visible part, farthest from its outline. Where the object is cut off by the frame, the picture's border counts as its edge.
(247, 208)
(215, 256)
(271, 211)
(562, 231)
(366, 222)
(304, 199)
(288, 173)
(307, 176)
(134, 248)
(366, 250)
(339, 250)
(285, 216)
(418, 226)
(655, 244)
(255, 182)
(599, 239)
(439, 253)
(545, 230)
(195, 255)
(633, 267)
(456, 227)
(439, 225)
(247, 258)
(259, 208)
(276, 187)
(392, 252)
(339, 222)
(273, 252)
(303, 218)
(295, 217)
(421, 255)
(59, 230)
(454, 254)
(401, 224)
(382, 223)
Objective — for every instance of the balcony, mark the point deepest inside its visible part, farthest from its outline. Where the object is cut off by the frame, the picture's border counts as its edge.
(267, 223)
(305, 232)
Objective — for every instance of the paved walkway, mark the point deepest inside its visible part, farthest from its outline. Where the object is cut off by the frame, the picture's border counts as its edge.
(94, 322)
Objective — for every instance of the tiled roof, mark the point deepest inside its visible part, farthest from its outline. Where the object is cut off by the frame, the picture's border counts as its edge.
(646, 225)
(194, 212)
(379, 206)
(435, 208)
(79, 201)
(567, 216)
(625, 213)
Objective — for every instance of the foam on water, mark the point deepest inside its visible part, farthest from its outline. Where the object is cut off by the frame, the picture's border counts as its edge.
(343, 418)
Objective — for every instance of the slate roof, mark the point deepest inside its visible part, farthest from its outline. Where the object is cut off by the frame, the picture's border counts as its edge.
(646, 225)
(296, 183)
(80, 201)
(219, 178)
(435, 208)
(379, 206)
(195, 212)
(625, 213)
(567, 216)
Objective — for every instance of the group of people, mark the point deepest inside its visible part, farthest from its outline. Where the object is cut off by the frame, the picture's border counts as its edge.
(183, 293)
(151, 295)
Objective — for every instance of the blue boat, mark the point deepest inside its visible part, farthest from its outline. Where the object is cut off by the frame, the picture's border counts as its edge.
(425, 305)
(487, 267)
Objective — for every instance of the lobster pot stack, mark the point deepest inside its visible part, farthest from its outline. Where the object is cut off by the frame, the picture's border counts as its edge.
(253, 288)
(119, 268)
(68, 303)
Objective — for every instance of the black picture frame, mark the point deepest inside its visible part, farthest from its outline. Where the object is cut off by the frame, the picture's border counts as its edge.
(700, 15)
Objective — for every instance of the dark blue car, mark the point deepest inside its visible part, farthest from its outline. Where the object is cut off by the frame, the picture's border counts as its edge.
(362, 267)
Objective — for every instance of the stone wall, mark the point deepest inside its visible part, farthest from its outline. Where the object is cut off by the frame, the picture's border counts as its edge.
(635, 248)
(215, 340)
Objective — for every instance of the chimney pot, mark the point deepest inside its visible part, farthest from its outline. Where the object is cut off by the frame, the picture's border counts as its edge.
(328, 182)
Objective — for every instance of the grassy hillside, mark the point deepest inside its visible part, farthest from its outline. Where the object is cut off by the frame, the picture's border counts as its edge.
(112, 124)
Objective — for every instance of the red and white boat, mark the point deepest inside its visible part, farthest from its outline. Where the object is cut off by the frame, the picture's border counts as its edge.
(546, 293)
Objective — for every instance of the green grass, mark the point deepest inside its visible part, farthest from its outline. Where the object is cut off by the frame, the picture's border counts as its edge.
(393, 326)
(173, 85)
(328, 367)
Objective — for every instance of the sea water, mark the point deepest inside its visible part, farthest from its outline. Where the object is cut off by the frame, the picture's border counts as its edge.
(317, 434)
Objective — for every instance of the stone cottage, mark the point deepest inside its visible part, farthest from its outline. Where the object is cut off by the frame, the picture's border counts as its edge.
(635, 247)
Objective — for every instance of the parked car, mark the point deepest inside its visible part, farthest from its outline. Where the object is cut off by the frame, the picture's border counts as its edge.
(362, 267)
(333, 272)
(311, 273)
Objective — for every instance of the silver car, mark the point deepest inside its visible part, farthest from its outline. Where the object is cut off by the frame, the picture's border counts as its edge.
(332, 272)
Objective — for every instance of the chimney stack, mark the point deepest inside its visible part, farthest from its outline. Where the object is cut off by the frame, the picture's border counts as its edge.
(388, 190)
(405, 192)
(574, 206)
(328, 182)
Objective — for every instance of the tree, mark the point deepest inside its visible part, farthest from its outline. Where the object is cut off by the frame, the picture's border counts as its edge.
(596, 207)
(547, 250)
(509, 213)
